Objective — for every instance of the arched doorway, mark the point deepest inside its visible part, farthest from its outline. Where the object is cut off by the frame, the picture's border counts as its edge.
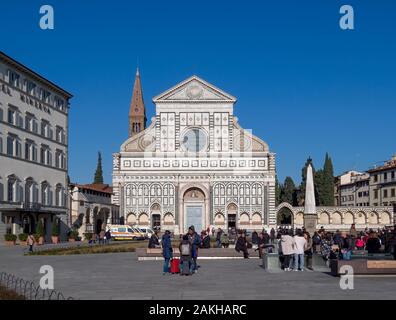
(232, 211)
(194, 209)
(285, 217)
(156, 216)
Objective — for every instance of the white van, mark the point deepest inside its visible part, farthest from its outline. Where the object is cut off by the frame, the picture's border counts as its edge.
(124, 232)
(147, 231)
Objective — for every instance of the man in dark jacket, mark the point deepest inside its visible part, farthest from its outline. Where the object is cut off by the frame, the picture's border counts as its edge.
(167, 251)
(241, 245)
(195, 241)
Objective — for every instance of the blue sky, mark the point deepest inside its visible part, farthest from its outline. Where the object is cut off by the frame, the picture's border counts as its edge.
(303, 85)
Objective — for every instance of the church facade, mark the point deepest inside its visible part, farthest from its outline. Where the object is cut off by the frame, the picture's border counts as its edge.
(194, 164)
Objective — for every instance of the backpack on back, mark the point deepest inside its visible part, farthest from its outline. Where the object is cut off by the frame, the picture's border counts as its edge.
(185, 249)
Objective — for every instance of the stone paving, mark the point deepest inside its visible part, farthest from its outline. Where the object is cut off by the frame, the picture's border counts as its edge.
(121, 276)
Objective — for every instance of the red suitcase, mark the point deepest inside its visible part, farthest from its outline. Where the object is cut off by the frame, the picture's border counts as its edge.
(175, 263)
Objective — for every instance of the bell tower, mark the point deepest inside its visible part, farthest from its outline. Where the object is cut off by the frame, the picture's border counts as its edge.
(137, 111)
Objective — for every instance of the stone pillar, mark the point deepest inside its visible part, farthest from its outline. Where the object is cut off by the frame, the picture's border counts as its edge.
(310, 216)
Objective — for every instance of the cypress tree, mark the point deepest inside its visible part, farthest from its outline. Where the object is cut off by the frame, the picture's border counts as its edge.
(99, 172)
(288, 193)
(328, 182)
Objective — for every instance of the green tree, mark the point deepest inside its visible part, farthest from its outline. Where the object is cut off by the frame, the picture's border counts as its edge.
(328, 182)
(288, 193)
(99, 172)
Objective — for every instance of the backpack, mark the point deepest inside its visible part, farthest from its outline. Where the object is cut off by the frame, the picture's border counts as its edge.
(185, 249)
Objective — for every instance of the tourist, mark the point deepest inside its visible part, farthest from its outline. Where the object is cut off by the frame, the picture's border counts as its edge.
(266, 237)
(373, 244)
(154, 241)
(300, 245)
(241, 245)
(214, 232)
(346, 246)
(31, 242)
(326, 246)
(353, 231)
(288, 247)
(195, 241)
(316, 241)
(107, 236)
(272, 235)
(101, 236)
(264, 246)
(218, 238)
(360, 243)
(205, 242)
(255, 237)
(167, 251)
(225, 240)
(185, 249)
(308, 250)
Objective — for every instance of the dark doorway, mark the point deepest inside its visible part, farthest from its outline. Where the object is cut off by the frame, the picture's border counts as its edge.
(285, 217)
(99, 224)
(232, 221)
(156, 221)
(28, 224)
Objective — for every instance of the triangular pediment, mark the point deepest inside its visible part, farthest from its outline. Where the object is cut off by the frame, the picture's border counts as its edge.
(194, 89)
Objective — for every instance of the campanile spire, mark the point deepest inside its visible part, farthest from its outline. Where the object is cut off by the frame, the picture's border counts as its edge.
(137, 111)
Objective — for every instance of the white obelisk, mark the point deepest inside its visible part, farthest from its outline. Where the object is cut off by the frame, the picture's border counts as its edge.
(310, 217)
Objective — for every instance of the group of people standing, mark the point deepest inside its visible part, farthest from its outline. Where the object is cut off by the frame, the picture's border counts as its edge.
(188, 247)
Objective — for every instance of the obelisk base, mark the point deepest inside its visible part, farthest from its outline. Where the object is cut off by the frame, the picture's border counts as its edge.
(310, 222)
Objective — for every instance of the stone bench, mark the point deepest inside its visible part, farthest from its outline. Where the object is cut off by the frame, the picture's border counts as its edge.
(364, 266)
(145, 254)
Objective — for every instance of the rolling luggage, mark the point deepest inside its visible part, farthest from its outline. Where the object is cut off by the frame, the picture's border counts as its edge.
(175, 266)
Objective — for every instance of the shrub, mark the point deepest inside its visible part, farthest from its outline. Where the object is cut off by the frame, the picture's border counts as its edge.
(23, 237)
(73, 235)
(88, 236)
(10, 237)
(55, 228)
(40, 229)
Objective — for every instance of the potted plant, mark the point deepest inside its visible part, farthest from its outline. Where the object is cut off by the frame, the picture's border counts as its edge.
(10, 239)
(39, 236)
(23, 239)
(55, 232)
(73, 236)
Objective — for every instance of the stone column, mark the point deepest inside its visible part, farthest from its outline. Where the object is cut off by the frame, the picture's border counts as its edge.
(310, 215)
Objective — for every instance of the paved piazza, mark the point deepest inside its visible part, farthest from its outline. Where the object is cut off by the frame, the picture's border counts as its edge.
(121, 276)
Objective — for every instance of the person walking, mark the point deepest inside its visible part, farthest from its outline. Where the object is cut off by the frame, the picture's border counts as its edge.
(300, 245)
(288, 247)
(154, 241)
(167, 251)
(31, 242)
(195, 241)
